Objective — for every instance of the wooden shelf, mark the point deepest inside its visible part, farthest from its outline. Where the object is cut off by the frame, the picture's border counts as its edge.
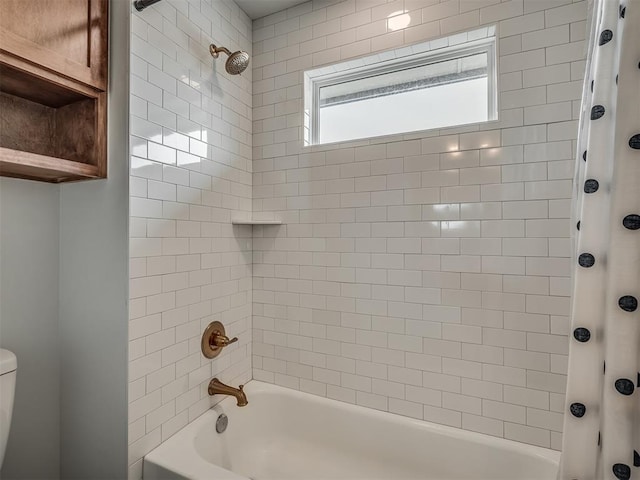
(50, 131)
(53, 89)
(256, 222)
(15, 163)
(39, 86)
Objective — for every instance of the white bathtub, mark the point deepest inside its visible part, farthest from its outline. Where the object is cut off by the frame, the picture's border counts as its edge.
(288, 435)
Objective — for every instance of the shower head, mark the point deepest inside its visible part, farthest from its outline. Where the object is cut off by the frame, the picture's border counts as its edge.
(237, 61)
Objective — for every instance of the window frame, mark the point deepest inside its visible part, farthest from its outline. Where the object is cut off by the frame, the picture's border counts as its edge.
(313, 83)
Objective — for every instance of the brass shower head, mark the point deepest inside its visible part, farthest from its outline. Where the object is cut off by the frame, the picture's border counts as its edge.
(237, 61)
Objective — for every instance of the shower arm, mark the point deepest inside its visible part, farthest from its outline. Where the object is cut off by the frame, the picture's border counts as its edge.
(142, 4)
(215, 51)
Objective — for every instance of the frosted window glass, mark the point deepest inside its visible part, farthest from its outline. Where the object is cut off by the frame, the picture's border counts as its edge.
(420, 92)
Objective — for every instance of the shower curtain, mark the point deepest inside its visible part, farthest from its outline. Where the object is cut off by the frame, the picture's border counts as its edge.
(602, 417)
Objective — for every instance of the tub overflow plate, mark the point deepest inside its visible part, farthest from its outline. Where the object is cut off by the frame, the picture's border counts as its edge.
(221, 423)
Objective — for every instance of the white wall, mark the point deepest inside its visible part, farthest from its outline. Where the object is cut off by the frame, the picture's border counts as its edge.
(29, 242)
(63, 307)
(93, 294)
(190, 173)
(427, 274)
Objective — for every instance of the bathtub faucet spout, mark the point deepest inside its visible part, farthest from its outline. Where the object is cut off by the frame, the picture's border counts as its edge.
(217, 387)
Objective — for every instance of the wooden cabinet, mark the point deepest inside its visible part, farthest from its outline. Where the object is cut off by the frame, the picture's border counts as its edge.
(53, 84)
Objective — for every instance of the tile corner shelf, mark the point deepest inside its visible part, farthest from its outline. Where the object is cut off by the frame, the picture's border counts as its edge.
(255, 222)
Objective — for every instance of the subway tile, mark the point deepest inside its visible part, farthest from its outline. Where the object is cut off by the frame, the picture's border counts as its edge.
(482, 354)
(565, 53)
(562, 130)
(480, 175)
(524, 135)
(400, 261)
(486, 425)
(549, 382)
(506, 375)
(482, 317)
(525, 434)
(524, 98)
(544, 419)
(423, 362)
(501, 155)
(553, 112)
(547, 75)
(478, 388)
(462, 333)
(503, 265)
(461, 298)
(462, 403)
(565, 14)
(522, 24)
(449, 143)
(522, 61)
(526, 397)
(513, 80)
(438, 313)
(528, 360)
(560, 267)
(566, 90)
(459, 159)
(480, 211)
(504, 411)
(461, 368)
(444, 348)
(532, 209)
(547, 304)
(546, 38)
(504, 338)
(482, 282)
(464, 21)
(486, 139)
(408, 409)
(424, 31)
(527, 322)
(460, 194)
(526, 284)
(540, 342)
(442, 416)
(554, 228)
(502, 192)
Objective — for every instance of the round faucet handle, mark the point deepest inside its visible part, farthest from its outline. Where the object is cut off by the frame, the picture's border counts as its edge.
(214, 339)
(221, 340)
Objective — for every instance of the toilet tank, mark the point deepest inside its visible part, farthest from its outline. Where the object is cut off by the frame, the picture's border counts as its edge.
(8, 366)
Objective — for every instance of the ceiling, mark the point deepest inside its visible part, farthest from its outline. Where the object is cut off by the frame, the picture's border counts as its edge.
(260, 8)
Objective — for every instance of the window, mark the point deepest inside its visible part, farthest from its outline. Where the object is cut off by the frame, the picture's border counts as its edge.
(442, 83)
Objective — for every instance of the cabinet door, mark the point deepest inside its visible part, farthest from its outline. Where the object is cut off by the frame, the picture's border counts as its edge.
(67, 37)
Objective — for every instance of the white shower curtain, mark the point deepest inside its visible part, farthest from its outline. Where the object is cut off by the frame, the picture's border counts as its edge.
(602, 417)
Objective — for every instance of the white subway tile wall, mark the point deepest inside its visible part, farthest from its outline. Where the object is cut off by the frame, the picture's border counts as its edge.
(191, 139)
(428, 274)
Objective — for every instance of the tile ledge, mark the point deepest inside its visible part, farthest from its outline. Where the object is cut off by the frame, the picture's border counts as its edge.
(240, 221)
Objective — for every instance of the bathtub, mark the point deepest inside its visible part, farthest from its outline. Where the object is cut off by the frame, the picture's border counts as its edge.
(284, 434)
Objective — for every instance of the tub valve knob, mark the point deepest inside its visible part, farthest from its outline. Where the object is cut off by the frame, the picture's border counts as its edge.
(214, 339)
(220, 340)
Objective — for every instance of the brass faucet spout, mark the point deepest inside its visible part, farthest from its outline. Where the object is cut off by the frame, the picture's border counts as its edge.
(216, 387)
